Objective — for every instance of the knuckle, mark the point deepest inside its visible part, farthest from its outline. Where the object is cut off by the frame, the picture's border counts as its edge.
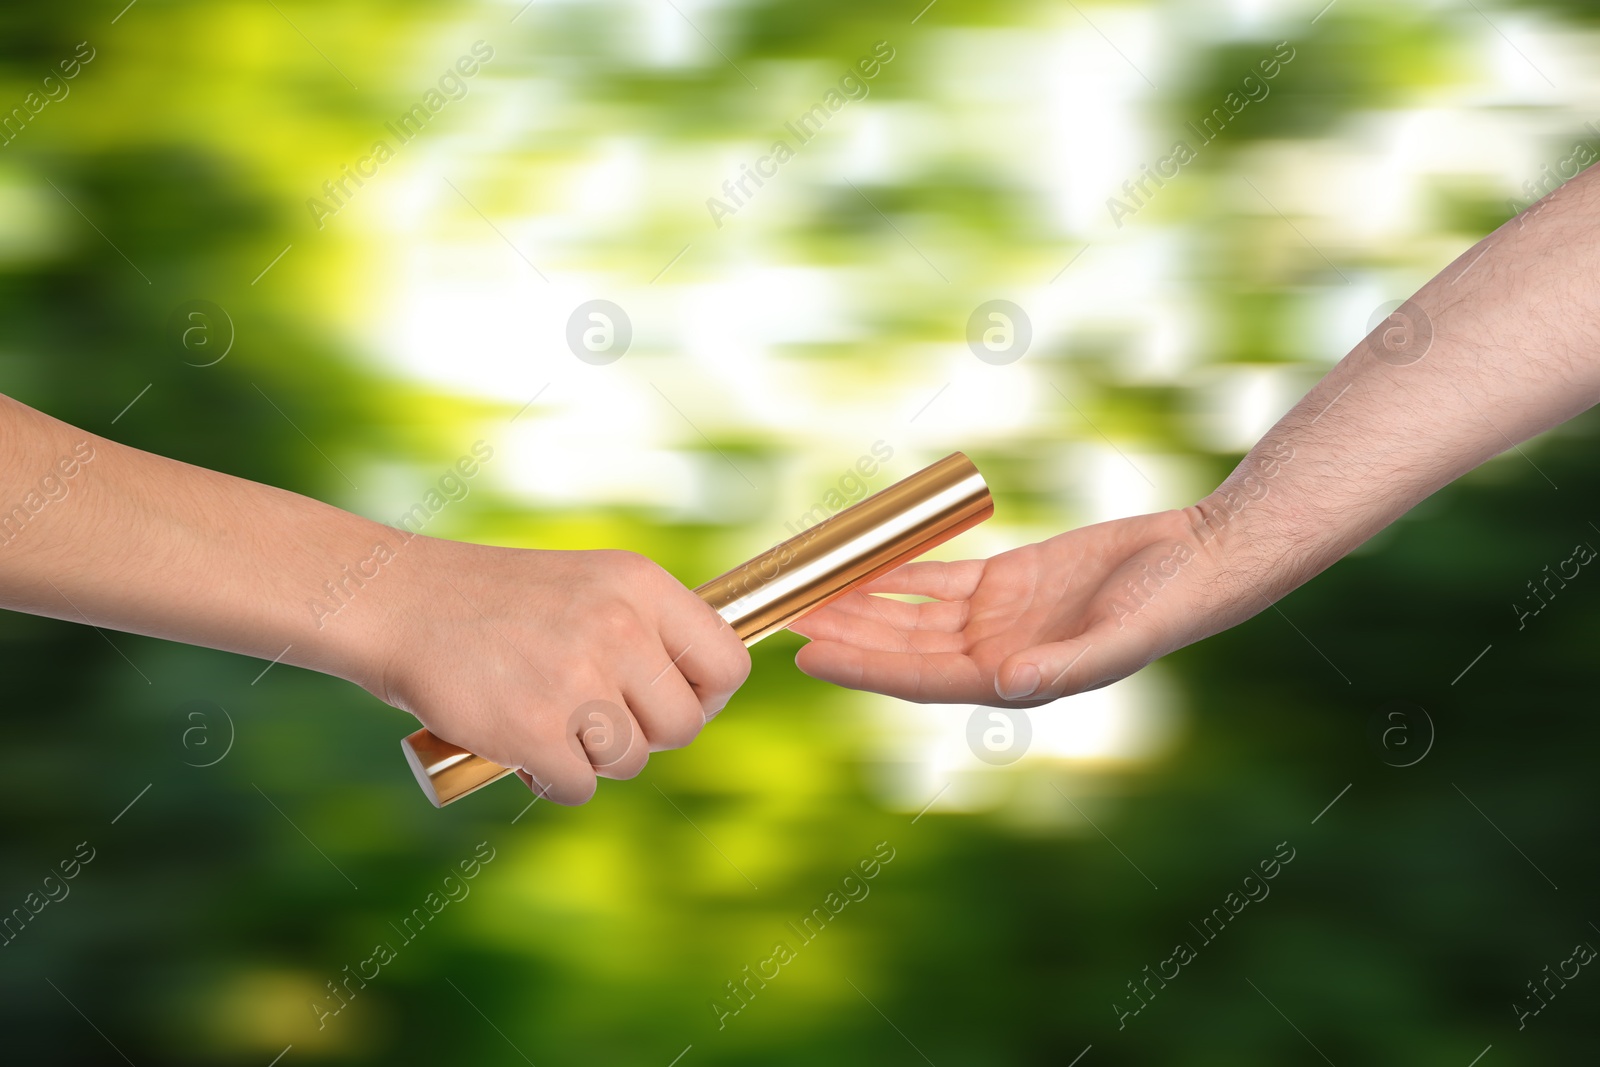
(560, 776)
(678, 729)
(576, 788)
(614, 616)
(628, 767)
(725, 668)
(631, 565)
(580, 681)
(605, 735)
(738, 669)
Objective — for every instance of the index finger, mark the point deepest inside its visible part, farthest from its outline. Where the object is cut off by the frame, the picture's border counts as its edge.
(924, 677)
(930, 577)
(699, 644)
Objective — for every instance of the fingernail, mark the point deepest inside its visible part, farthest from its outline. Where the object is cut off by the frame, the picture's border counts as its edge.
(1024, 680)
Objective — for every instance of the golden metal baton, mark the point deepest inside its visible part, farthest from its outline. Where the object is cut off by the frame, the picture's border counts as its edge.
(820, 564)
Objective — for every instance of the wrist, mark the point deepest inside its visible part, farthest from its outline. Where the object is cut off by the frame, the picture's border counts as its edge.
(1249, 530)
(353, 602)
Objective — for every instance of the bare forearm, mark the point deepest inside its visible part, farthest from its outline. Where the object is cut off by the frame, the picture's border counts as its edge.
(93, 531)
(507, 652)
(1500, 346)
(1503, 344)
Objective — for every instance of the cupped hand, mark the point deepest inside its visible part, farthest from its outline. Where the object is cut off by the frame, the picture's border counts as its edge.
(1073, 613)
(566, 665)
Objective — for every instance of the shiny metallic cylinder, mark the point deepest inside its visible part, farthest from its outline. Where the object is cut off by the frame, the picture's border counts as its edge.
(857, 545)
(772, 590)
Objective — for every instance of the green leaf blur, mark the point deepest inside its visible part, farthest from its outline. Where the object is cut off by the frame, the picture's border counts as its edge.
(1007, 929)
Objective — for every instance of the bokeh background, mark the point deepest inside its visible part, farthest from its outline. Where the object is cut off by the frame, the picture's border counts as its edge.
(255, 833)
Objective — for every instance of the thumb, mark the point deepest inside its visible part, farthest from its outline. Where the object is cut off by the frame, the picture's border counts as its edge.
(1061, 668)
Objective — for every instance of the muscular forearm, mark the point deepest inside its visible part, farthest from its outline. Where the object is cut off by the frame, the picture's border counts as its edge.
(1500, 346)
(93, 531)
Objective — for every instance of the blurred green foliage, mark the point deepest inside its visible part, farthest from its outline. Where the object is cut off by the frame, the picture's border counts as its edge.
(209, 922)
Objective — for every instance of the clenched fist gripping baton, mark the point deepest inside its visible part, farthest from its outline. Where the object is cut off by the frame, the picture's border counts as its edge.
(771, 591)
